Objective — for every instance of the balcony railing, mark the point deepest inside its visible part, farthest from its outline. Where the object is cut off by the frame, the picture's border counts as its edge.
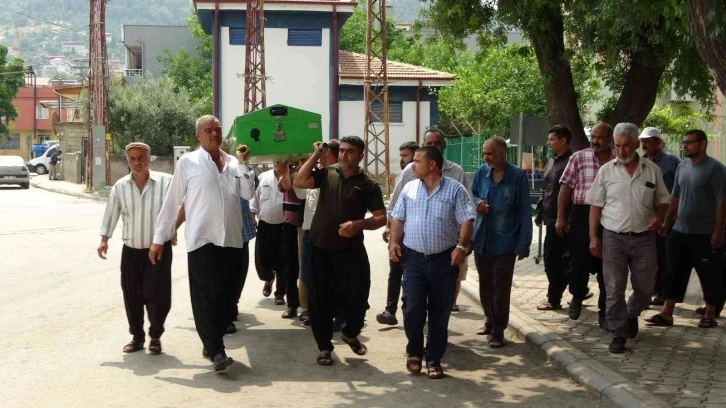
(133, 72)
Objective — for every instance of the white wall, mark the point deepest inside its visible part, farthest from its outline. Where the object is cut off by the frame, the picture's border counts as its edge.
(298, 76)
(352, 121)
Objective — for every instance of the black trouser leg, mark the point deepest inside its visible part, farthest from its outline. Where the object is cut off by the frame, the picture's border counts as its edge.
(581, 261)
(157, 290)
(211, 283)
(555, 265)
(394, 286)
(132, 284)
(291, 264)
(322, 298)
(353, 288)
(660, 245)
(240, 278)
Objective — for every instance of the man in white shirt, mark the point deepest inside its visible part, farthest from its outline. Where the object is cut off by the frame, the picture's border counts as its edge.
(629, 198)
(137, 198)
(266, 208)
(210, 183)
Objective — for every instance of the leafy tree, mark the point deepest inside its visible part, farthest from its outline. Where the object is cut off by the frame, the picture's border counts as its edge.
(12, 77)
(640, 47)
(157, 112)
(193, 73)
(352, 36)
(707, 25)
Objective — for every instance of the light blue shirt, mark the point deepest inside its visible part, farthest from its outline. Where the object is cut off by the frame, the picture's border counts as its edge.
(432, 221)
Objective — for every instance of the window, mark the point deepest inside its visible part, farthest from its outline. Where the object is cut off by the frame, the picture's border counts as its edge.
(41, 112)
(43, 138)
(305, 38)
(236, 36)
(395, 111)
(13, 142)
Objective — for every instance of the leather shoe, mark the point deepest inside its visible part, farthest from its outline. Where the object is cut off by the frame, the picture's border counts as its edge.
(632, 327)
(617, 346)
(221, 361)
(290, 313)
(387, 318)
(231, 328)
(205, 354)
(575, 309)
(602, 321)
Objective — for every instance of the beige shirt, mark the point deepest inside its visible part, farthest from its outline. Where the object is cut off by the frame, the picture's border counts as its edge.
(627, 202)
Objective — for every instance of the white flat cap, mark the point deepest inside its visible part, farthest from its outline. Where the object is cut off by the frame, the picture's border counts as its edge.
(133, 145)
(650, 132)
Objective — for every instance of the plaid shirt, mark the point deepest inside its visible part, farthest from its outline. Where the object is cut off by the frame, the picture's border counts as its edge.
(580, 173)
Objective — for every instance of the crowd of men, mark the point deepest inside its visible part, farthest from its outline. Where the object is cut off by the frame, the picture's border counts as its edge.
(606, 212)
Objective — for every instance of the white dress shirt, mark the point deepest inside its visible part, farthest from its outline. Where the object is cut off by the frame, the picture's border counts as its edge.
(267, 201)
(310, 195)
(628, 202)
(211, 200)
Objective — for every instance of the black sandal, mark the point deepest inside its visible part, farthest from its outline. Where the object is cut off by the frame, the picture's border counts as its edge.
(436, 372)
(355, 345)
(707, 323)
(324, 358)
(155, 347)
(658, 321)
(414, 364)
(133, 346)
(267, 289)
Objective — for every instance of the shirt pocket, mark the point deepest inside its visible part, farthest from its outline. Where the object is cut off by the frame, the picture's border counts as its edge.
(265, 192)
(442, 209)
(646, 196)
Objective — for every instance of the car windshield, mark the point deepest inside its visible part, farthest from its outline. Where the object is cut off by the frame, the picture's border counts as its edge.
(11, 161)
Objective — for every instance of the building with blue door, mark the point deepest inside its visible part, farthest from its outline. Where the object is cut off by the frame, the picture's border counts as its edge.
(305, 69)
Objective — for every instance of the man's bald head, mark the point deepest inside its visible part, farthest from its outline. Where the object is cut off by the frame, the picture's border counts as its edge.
(601, 137)
(495, 152)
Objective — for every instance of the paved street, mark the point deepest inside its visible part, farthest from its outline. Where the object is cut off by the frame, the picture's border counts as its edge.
(64, 326)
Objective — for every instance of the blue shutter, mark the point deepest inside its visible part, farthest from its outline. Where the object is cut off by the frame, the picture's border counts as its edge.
(304, 38)
(395, 111)
(236, 36)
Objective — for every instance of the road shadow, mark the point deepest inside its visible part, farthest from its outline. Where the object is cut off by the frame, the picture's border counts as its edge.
(144, 364)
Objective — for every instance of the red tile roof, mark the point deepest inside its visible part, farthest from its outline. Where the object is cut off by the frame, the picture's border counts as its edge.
(353, 66)
(353, 2)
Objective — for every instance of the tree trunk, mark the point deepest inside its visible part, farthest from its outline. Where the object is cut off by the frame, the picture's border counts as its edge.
(711, 50)
(549, 46)
(640, 89)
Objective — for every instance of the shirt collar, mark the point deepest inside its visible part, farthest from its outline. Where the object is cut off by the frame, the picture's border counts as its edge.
(152, 176)
(640, 158)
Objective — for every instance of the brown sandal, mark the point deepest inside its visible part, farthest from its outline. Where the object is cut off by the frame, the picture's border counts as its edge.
(496, 343)
(484, 331)
(133, 346)
(267, 289)
(436, 372)
(414, 364)
(355, 345)
(155, 347)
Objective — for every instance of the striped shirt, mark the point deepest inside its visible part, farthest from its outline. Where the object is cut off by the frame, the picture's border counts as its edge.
(248, 227)
(580, 172)
(138, 209)
(432, 221)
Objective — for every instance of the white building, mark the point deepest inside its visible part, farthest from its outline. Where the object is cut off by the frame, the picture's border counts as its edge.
(306, 70)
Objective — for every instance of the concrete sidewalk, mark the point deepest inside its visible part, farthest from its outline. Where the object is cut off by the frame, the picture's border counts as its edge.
(664, 366)
(65, 187)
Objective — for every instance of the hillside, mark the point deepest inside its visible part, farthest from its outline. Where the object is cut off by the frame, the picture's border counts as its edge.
(56, 21)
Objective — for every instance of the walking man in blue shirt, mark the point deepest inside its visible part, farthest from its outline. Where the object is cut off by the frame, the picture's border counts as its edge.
(435, 214)
(503, 233)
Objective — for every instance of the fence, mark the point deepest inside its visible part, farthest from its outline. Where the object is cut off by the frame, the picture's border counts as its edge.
(466, 151)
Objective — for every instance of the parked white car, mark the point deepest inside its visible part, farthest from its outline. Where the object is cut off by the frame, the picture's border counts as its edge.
(41, 164)
(14, 171)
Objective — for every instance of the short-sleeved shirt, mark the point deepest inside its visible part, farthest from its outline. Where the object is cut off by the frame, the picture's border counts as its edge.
(342, 199)
(432, 221)
(551, 187)
(668, 163)
(698, 188)
(579, 174)
(628, 202)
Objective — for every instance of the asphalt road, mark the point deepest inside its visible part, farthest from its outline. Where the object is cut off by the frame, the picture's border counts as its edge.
(63, 327)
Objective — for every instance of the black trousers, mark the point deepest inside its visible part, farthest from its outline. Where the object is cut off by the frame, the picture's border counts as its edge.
(686, 252)
(495, 289)
(555, 265)
(291, 265)
(581, 261)
(212, 278)
(241, 277)
(268, 255)
(660, 247)
(394, 286)
(341, 284)
(144, 284)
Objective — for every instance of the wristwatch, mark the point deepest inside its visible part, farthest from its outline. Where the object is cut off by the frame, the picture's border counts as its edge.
(463, 248)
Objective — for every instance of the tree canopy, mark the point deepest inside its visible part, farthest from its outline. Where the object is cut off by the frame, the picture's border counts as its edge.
(12, 77)
(707, 25)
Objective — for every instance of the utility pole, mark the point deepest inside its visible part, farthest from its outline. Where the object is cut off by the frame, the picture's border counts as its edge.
(98, 172)
(376, 96)
(255, 93)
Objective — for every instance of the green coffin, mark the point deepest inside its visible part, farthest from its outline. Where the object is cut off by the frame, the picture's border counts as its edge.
(275, 133)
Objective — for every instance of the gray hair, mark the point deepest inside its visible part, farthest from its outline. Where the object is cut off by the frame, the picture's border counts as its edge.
(204, 119)
(627, 129)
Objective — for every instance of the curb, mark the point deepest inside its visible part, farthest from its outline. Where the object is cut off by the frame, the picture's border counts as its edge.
(583, 369)
(66, 192)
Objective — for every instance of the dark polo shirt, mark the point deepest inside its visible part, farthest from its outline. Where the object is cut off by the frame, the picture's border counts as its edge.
(342, 200)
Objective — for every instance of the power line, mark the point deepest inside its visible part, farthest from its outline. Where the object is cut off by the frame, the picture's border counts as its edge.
(44, 21)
